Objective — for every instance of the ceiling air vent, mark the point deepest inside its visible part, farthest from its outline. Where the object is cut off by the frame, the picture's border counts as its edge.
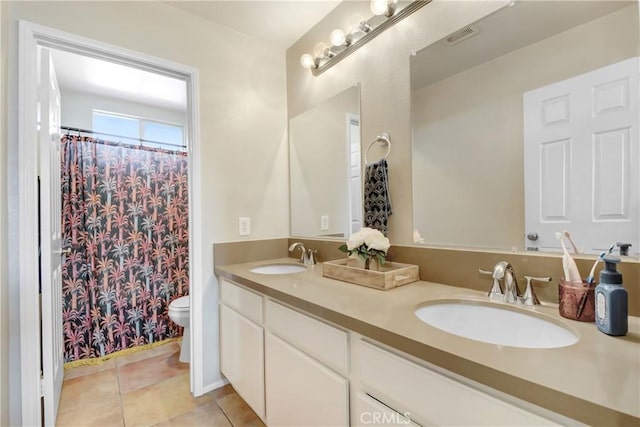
(462, 34)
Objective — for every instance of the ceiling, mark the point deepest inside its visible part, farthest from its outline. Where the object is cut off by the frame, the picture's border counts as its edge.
(508, 29)
(280, 23)
(89, 75)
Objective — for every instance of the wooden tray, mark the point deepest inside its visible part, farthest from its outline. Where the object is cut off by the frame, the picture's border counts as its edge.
(387, 276)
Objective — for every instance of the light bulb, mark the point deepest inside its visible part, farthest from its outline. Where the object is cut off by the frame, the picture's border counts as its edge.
(383, 7)
(337, 38)
(307, 61)
(378, 7)
(321, 50)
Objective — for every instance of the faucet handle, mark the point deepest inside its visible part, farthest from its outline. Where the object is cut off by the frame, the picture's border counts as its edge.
(529, 297)
(496, 290)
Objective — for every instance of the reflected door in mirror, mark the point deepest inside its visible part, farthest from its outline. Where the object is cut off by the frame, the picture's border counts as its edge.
(581, 159)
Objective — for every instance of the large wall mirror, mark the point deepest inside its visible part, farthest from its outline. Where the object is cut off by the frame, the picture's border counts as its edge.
(325, 168)
(525, 124)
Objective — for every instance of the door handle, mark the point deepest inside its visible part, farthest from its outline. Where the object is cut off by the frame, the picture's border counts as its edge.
(62, 251)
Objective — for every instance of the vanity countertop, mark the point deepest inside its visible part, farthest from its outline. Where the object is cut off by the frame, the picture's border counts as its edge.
(595, 381)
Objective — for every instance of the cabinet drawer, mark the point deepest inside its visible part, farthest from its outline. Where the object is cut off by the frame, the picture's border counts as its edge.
(431, 398)
(366, 411)
(242, 300)
(318, 339)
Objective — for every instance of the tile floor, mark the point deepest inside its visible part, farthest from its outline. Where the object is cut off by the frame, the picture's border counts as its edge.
(148, 388)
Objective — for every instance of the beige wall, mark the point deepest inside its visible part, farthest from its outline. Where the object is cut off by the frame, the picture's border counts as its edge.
(4, 291)
(243, 123)
(319, 166)
(481, 139)
(382, 69)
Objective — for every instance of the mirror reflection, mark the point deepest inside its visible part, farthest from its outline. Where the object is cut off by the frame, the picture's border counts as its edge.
(525, 124)
(325, 168)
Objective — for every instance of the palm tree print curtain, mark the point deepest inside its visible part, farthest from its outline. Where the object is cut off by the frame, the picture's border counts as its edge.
(124, 213)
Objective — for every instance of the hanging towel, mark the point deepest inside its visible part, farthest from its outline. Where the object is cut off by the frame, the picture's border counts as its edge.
(377, 202)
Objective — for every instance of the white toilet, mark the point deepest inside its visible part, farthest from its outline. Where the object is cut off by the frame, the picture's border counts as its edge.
(179, 314)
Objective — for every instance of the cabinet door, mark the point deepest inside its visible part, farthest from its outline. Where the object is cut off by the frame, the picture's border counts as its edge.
(300, 390)
(242, 357)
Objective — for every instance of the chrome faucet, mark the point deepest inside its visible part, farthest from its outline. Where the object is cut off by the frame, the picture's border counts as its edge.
(504, 271)
(308, 255)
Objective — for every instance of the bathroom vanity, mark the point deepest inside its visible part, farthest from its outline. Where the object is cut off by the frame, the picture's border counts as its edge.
(302, 349)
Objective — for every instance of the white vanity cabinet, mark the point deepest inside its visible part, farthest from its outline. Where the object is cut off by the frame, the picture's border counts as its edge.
(296, 370)
(303, 358)
(242, 343)
(289, 367)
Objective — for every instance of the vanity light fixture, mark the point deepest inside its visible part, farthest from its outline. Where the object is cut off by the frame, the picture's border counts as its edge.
(361, 32)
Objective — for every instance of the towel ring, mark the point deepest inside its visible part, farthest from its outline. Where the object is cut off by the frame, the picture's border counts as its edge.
(386, 142)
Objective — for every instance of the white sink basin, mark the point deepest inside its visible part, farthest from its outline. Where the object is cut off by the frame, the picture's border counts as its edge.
(278, 269)
(493, 324)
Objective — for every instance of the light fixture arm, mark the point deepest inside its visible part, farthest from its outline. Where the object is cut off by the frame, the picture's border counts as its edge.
(369, 35)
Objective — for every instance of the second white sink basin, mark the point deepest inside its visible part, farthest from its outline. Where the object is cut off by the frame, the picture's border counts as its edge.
(491, 323)
(278, 269)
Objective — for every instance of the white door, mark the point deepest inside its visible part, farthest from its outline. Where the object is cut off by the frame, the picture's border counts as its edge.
(355, 172)
(581, 159)
(50, 238)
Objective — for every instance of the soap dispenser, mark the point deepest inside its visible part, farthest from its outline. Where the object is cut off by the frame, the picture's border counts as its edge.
(611, 300)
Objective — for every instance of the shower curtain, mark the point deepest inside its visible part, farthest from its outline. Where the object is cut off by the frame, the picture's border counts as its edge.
(124, 214)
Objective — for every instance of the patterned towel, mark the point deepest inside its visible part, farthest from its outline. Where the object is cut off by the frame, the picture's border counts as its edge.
(377, 202)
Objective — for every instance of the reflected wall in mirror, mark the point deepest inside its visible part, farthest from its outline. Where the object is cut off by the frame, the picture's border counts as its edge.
(325, 168)
(526, 123)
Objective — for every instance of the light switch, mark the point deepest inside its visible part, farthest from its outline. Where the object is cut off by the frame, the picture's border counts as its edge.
(324, 222)
(244, 226)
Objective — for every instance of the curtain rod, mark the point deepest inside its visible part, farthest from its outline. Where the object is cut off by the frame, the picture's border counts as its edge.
(71, 129)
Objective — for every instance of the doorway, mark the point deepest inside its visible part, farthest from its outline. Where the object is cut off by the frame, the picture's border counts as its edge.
(39, 381)
(124, 170)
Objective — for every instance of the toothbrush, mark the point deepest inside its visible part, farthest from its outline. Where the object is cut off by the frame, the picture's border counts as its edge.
(590, 277)
(571, 272)
(568, 236)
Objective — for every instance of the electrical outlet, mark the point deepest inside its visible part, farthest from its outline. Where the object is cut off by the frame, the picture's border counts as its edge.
(324, 222)
(244, 226)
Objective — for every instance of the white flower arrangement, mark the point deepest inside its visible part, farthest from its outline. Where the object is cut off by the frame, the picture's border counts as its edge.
(367, 243)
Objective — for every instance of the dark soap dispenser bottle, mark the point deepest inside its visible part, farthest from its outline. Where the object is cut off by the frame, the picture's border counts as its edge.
(611, 300)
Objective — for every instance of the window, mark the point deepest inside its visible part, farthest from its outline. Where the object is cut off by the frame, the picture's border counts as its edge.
(130, 130)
